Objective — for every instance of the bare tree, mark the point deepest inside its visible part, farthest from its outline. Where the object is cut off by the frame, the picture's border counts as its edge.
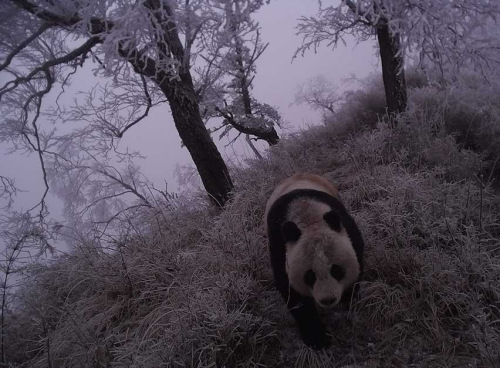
(319, 93)
(449, 34)
(234, 51)
(44, 43)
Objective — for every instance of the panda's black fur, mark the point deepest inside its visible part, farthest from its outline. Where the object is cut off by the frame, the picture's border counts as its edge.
(303, 308)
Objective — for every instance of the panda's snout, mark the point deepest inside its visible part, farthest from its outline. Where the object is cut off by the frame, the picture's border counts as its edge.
(328, 302)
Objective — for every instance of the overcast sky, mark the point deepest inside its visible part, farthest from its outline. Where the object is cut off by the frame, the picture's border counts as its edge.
(275, 84)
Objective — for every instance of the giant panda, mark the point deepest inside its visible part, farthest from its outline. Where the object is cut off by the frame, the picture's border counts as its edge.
(316, 251)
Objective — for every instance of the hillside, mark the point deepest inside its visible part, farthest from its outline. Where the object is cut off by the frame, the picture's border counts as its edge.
(190, 287)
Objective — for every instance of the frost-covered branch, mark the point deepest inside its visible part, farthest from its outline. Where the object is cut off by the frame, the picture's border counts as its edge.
(319, 94)
(110, 109)
(149, 103)
(445, 33)
(234, 53)
(96, 186)
(8, 190)
(44, 67)
(26, 92)
(250, 125)
(17, 49)
(37, 147)
(154, 39)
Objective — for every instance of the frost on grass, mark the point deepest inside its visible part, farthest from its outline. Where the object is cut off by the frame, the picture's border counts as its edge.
(193, 287)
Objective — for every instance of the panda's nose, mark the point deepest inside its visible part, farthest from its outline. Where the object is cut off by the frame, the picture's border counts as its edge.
(328, 301)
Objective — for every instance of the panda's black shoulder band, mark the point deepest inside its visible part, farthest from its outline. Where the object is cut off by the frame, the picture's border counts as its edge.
(278, 211)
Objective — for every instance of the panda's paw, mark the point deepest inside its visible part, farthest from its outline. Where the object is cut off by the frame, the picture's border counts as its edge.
(318, 340)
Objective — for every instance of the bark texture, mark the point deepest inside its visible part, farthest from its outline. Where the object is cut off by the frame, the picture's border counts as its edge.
(194, 135)
(392, 69)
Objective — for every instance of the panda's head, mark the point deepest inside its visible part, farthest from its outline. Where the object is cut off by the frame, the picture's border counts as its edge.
(321, 261)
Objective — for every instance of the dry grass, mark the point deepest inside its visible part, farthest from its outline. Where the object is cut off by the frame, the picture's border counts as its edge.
(193, 288)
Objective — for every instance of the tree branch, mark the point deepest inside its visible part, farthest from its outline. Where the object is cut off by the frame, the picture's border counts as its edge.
(148, 107)
(82, 50)
(38, 148)
(268, 135)
(96, 26)
(8, 190)
(126, 186)
(22, 45)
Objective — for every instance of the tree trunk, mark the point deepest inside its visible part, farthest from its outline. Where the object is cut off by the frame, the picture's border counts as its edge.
(183, 102)
(194, 135)
(392, 69)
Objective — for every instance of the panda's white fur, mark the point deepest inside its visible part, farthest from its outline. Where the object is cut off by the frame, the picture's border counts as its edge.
(319, 246)
(317, 249)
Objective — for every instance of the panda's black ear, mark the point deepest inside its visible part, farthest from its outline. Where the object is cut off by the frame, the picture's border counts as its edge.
(291, 232)
(332, 218)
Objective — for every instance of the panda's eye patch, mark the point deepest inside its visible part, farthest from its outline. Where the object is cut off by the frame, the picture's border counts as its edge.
(332, 218)
(310, 278)
(337, 272)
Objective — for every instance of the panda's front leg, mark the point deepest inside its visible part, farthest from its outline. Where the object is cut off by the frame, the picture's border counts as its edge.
(312, 331)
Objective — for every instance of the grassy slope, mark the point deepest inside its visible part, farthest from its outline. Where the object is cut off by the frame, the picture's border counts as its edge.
(192, 288)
